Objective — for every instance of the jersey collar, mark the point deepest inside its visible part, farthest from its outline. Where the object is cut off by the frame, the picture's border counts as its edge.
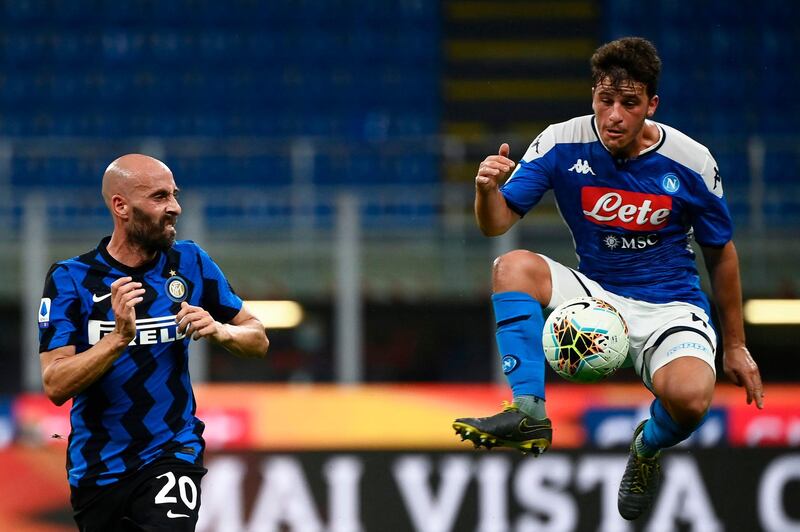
(102, 248)
(662, 136)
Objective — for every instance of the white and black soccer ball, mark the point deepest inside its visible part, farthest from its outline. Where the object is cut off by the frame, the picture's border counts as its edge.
(585, 339)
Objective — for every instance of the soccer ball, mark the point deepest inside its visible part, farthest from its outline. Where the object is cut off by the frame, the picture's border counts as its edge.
(585, 339)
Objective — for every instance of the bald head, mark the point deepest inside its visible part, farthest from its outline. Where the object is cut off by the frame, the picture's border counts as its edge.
(142, 197)
(130, 171)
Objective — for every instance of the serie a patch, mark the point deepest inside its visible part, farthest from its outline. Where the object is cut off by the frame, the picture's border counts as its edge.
(44, 313)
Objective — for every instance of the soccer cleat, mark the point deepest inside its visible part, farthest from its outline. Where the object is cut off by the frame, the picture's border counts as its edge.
(509, 428)
(640, 482)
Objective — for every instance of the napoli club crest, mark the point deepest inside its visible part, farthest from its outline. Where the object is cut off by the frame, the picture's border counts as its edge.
(670, 183)
(176, 289)
(510, 363)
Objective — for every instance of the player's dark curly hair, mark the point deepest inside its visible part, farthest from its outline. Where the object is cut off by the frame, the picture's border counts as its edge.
(627, 59)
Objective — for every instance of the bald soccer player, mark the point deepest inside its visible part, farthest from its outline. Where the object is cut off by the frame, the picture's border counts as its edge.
(114, 327)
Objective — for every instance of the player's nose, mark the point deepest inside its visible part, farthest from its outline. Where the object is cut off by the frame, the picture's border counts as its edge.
(616, 114)
(174, 207)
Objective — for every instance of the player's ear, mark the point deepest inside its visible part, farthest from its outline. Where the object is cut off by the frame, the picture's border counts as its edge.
(119, 206)
(651, 106)
(594, 88)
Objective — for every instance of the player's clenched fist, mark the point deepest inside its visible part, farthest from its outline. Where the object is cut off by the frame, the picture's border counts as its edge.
(198, 322)
(494, 169)
(125, 295)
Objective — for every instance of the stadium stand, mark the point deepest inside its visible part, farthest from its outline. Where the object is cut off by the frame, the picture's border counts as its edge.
(207, 69)
(724, 79)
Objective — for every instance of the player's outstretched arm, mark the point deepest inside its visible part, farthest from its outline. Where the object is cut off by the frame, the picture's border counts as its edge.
(244, 335)
(491, 211)
(65, 375)
(723, 268)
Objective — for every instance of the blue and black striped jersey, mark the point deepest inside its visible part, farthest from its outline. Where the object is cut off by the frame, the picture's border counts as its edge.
(143, 408)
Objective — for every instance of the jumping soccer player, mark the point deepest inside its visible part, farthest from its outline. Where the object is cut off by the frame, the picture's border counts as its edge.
(634, 194)
(115, 325)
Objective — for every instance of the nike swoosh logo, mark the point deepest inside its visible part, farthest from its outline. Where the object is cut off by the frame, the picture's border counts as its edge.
(174, 515)
(98, 299)
(524, 427)
(582, 304)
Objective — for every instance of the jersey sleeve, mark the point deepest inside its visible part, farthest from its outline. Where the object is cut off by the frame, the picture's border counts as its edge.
(218, 299)
(531, 179)
(711, 219)
(59, 310)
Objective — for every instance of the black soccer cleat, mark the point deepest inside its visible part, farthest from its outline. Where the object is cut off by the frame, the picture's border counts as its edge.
(640, 483)
(509, 428)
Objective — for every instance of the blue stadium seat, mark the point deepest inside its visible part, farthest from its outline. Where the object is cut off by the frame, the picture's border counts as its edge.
(75, 13)
(781, 166)
(86, 68)
(26, 11)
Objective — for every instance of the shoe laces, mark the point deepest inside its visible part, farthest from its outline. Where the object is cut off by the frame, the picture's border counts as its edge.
(644, 473)
(510, 407)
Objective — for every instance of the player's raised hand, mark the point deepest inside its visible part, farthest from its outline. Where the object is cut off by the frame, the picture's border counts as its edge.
(199, 323)
(125, 295)
(494, 169)
(742, 370)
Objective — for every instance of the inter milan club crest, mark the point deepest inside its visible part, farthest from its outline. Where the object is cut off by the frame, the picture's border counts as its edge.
(176, 288)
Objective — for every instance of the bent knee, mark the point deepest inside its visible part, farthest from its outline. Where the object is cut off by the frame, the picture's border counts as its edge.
(520, 264)
(686, 406)
(523, 271)
(685, 387)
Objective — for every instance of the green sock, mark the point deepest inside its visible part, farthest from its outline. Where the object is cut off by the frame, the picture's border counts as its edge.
(642, 449)
(531, 405)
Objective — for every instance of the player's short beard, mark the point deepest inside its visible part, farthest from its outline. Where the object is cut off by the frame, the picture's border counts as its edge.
(149, 235)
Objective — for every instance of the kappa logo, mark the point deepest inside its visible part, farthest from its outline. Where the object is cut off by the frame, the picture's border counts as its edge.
(536, 142)
(582, 167)
(689, 346)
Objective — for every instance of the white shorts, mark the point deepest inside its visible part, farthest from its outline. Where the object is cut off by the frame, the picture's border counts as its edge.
(658, 332)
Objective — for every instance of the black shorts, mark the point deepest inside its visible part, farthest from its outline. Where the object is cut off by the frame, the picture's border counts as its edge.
(164, 495)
